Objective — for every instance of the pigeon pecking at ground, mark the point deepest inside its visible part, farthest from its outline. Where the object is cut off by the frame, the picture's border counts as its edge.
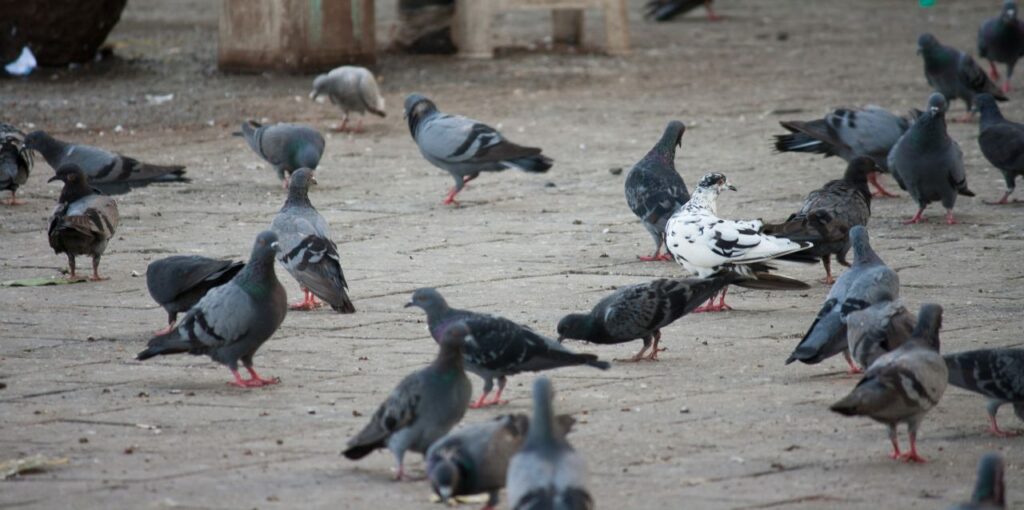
(928, 164)
(15, 161)
(640, 311)
(354, 90)
(423, 407)
(706, 245)
(1001, 39)
(108, 171)
(232, 321)
(989, 488)
(177, 283)
(287, 147)
(464, 147)
(954, 74)
(307, 251)
(997, 374)
(1001, 142)
(83, 221)
(655, 190)
(665, 10)
(828, 214)
(501, 348)
(903, 385)
(547, 472)
(876, 330)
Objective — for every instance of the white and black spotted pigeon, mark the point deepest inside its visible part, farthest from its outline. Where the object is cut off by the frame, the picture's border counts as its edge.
(177, 283)
(665, 10)
(307, 251)
(997, 374)
(1001, 142)
(287, 147)
(903, 385)
(954, 74)
(464, 147)
(990, 486)
(15, 161)
(83, 221)
(1001, 39)
(705, 244)
(353, 89)
(876, 330)
(232, 321)
(655, 190)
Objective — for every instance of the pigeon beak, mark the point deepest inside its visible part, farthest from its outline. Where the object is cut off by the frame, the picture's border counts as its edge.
(312, 95)
(275, 246)
(933, 110)
(470, 341)
(445, 493)
(409, 304)
(561, 338)
(54, 178)
(730, 186)
(312, 180)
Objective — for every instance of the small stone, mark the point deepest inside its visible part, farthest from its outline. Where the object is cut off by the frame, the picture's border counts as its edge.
(615, 171)
(684, 410)
(280, 442)
(83, 440)
(577, 222)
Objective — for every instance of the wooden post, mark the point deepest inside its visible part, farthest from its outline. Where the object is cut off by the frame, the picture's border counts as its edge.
(472, 28)
(567, 26)
(616, 27)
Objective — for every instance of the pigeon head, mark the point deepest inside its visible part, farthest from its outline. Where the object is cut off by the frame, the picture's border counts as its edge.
(300, 181)
(715, 181)
(258, 273)
(926, 42)
(990, 488)
(542, 424)
(444, 476)
(42, 142)
(862, 251)
(577, 326)
(266, 243)
(929, 322)
(429, 299)
(416, 108)
(76, 183)
(672, 138)
(319, 84)
(858, 169)
(937, 103)
(1009, 11)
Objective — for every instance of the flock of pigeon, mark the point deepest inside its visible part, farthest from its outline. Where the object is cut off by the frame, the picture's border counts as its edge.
(231, 308)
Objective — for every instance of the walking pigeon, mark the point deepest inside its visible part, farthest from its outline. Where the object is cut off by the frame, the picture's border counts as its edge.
(655, 190)
(665, 10)
(83, 221)
(353, 89)
(849, 133)
(177, 283)
(903, 385)
(307, 251)
(876, 330)
(954, 74)
(705, 244)
(464, 147)
(501, 348)
(989, 488)
(867, 282)
(15, 161)
(928, 164)
(1001, 142)
(641, 311)
(547, 472)
(1001, 39)
(232, 321)
(828, 214)
(423, 407)
(108, 171)
(993, 373)
(287, 147)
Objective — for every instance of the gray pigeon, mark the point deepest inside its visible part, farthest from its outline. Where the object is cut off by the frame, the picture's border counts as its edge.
(878, 329)
(903, 385)
(423, 407)
(1001, 39)
(828, 214)
(547, 472)
(351, 88)
(287, 147)
(474, 459)
(867, 282)
(464, 147)
(953, 73)
(15, 161)
(1001, 142)
(665, 10)
(307, 251)
(177, 283)
(83, 221)
(502, 347)
(928, 164)
(654, 189)
(993, 373)
(108, 171)
(640, 311)
(232, 321)
(989, 488)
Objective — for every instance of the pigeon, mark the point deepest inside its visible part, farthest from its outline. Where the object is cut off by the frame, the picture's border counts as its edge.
(474, 459)
(15, 161)
(828, 214)
(502, 347)
(83, 221)
(928, 164)
(665, 10)
(1001, 142)
(307, 251)
(1001, 39)
(989, 488)
(705, 244)
(953, 73)
(903, 385)
(287, 147)
(108, 171)
(640, 311)
(867, 282)
(877, 329)
(547, 472)
(232, 321)
(464, 147)
(870, 132)
(655, 190)
(351, 88)
(177, 283)
(423, 407)
(994, 374)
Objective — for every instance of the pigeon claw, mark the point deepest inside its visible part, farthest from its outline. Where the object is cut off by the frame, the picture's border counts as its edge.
(656, 257)
(880, 190)
(950, 220)
(918, 218)
(912, 456)
(168, 329)
(998, 432)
